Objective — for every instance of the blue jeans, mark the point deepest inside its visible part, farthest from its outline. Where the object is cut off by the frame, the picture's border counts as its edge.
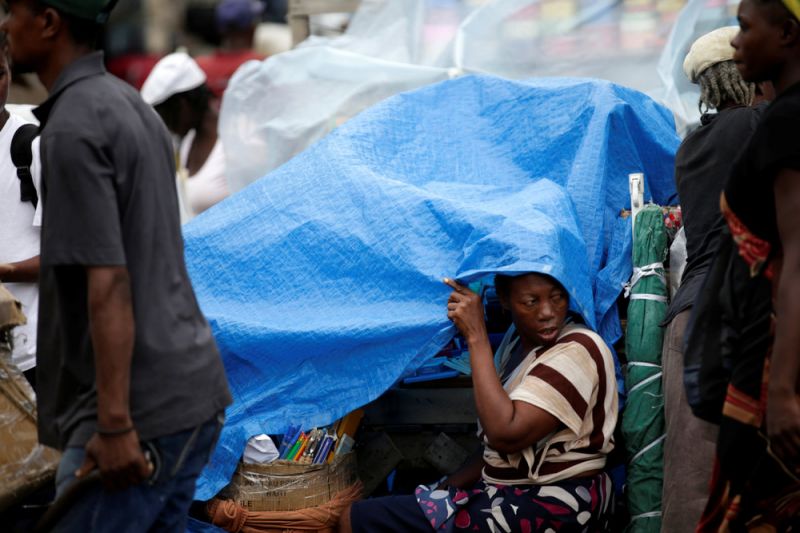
(160, 503)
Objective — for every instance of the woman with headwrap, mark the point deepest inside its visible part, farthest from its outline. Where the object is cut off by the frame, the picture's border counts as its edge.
(546, 423)
(756, 481)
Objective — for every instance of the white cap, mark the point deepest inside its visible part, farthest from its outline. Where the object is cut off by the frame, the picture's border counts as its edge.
(710, 49)
(173, 74)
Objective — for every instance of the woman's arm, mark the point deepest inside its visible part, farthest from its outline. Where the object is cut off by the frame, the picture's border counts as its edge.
(510, 426)
(783, 408)
(469, 473)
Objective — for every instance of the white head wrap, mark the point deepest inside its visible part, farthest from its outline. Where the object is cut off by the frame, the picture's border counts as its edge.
(173, 74)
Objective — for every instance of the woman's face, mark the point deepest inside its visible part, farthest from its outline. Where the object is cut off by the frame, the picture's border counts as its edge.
(538, 306)
(758, 45)
(177, 115)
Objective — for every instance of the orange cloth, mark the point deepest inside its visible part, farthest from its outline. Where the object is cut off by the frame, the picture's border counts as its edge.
(232, 517)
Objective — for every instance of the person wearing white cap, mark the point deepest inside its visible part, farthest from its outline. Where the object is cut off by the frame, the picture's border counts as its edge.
(702, 165)
(177, 89)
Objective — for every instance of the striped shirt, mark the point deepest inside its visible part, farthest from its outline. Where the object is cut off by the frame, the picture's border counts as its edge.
(574, 381)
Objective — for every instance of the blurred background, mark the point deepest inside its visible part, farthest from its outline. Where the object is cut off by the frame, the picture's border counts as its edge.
(318, 63)
(141, 31)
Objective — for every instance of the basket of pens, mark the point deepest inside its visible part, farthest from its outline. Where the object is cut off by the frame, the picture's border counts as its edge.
(313, 467)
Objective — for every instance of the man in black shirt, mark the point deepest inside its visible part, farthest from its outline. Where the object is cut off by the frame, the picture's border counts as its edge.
(126, 361)
(702, 166)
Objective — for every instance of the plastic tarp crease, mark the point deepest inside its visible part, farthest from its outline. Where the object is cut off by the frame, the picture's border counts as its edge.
(322, 281)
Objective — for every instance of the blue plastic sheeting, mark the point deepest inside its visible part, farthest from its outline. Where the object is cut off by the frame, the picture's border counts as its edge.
(322, 281)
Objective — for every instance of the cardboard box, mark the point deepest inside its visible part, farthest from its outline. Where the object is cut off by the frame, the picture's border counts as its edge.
(289, 486)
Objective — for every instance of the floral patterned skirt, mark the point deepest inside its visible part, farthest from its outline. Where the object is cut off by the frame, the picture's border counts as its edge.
(579, 505)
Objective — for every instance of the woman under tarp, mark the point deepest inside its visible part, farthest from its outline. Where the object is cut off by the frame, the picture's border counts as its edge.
(546, 421)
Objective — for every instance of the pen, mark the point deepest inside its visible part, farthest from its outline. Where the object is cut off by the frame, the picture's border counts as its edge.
(301, 449)
(318, 446)
(313, 442)
(331, 452)
(295, 447)
(322, 453)
(288, 439)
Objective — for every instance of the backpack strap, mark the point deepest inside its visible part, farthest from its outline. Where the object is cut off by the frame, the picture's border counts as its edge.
(22, 157)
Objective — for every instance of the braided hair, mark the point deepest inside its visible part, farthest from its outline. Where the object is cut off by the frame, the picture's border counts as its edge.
(721, 84)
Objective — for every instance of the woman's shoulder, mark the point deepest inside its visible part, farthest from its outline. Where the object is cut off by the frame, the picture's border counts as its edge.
(582, 335)
(579, 347)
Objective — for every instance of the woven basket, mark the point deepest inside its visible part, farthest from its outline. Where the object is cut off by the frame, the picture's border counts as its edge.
(289, 486)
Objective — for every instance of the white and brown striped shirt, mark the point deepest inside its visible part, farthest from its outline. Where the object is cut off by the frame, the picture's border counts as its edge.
(574, 381)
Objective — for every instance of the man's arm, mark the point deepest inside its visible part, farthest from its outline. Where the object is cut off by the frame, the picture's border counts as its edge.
(26, 271)
(114, 449)
(783, 408)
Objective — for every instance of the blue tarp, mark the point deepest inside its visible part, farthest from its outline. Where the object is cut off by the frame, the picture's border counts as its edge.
(322, 281)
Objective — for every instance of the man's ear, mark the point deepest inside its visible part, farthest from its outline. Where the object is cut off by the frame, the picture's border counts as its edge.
(51, 23)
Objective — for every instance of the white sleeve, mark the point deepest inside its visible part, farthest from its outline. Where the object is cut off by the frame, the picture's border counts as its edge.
(36, 174)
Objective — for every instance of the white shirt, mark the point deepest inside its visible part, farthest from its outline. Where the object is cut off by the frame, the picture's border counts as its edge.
(208, 185)
(19, 239)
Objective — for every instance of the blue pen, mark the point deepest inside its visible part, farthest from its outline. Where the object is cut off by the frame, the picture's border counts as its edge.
(296, 432)
(320, 448)
(288, 438)
(322, 454)
(291, 442)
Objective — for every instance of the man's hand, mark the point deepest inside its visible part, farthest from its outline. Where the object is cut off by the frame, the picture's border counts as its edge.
(119, 459)
(783, 427)
(26, 271)
(465, 309)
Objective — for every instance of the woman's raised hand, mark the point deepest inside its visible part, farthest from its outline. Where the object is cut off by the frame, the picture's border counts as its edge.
(465, 309)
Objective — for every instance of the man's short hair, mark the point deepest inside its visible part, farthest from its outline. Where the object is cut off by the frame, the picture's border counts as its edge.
(83, 31)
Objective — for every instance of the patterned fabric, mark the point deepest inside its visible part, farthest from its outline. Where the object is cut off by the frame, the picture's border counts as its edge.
(574, 381)
(754, 250)
(575, 505)
(751, 489)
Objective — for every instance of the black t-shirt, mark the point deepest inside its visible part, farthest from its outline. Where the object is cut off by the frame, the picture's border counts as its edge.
(702, 167)
(109, 199)
(774, 146)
